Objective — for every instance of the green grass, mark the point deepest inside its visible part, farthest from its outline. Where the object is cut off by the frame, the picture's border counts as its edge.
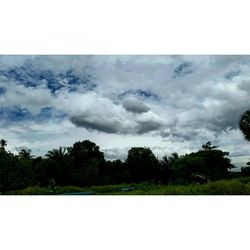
(239, 186)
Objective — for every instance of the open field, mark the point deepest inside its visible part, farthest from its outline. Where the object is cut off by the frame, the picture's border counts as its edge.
(237, 186)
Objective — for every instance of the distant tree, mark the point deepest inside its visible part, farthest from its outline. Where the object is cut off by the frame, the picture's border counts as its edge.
(58, 155)
(244, 124)
(142, 164)
(245, 171)
(3, 143)
(24, 152)
(208, 146)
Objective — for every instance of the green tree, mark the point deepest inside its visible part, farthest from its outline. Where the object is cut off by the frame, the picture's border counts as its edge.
(45, 170)
(142, 164)
(166, 172)
(8, 165)
(115, 172)
(87, 160)
(15, 173)
(209, 161)
(61, 168)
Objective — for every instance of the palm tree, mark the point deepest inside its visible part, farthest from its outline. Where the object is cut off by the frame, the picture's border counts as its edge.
(3, 143)
(57, 154)
(25, 153)
(244, 124)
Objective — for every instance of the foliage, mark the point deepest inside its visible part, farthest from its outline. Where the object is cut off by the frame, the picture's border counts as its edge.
(142, 164)
(33, 190)
(244, 124)
(209, 161)
(14, 173)
(83, 168)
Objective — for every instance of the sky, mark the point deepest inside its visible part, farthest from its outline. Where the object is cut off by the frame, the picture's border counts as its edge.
(168, 103)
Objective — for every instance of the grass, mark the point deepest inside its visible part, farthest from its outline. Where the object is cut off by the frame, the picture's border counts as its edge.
(238, 186)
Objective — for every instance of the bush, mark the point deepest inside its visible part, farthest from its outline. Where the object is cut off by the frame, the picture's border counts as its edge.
(36, 190)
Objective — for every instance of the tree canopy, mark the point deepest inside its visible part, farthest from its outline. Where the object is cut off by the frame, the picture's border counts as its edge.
(83, 164)
(244, 124)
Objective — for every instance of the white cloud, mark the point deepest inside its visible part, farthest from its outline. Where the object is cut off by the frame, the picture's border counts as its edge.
(160, 109)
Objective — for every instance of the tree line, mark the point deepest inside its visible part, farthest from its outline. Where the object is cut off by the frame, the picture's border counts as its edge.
(83, 164)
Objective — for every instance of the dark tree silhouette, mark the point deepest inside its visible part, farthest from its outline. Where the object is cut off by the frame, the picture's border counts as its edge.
(24, 153)
(244, 124)
(209, 161)
(57, 154)
(208, 146)
(87, 160)
(142, 164)
(3, 143)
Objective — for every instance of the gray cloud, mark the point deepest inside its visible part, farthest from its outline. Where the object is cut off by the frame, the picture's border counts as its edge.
(135, 106)
(148, 126)
(95, 123)
(199, 98)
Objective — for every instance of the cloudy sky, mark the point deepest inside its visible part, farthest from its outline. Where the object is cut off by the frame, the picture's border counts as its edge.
(167, 103)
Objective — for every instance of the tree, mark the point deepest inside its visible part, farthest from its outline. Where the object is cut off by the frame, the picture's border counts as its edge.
(81, 152)
(15, 173)
(208, 146)
(24, 153)
(166, 168)
(61, 168)
(45, 170)
(244, 124)
(58, 155)
(142, 164)
(87, 160)
(187, 165)
(8, 165)
(115, 172)
(3, 143)
(245, 171)
(209, 161)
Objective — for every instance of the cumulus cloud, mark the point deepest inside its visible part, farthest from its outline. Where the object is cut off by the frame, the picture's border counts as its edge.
(102, 114)
(180, 100)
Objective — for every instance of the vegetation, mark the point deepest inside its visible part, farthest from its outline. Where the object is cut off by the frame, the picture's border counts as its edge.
(83, 168)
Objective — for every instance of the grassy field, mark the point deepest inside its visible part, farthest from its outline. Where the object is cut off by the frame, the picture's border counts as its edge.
(239, 186)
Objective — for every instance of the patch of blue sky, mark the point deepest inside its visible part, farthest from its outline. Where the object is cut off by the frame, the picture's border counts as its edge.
(183, 69)
(141, 93)
(47, 113)
(29, 76)
(18, 114)
(3, 90)
(14, 114)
